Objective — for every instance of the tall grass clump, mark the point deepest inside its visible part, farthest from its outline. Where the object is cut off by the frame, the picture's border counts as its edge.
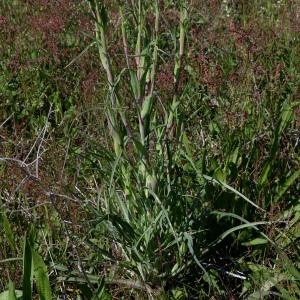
(144, 218)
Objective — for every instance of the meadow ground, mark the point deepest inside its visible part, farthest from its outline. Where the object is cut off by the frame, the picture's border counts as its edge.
(149, 149)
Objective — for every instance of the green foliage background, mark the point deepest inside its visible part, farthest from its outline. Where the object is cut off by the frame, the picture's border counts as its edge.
(199, 199)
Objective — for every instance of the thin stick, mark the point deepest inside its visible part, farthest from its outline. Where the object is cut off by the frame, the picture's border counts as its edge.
(3, 123)
(40, 144)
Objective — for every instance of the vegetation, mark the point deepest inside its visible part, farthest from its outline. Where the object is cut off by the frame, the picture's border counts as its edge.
(149, 149)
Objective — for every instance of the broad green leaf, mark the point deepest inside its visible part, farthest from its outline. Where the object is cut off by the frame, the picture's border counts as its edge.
(257, 241)
(285, 117)
(7, 229)
(41, 276)
(27, 270)
(146, 108)
(220, 175)
(265, 173)
(11, 291)
(134, 84)
(234, 156)
(5, 295)
(287, 184)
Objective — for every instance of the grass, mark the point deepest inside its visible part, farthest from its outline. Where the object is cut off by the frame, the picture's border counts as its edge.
(149, 150)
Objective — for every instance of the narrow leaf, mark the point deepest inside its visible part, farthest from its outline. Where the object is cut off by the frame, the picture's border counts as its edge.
(7, 230)
(27, 271)
(255, 242)
(41, 276)
(233, 190)
(11, 291)
(5, 295)
(287, 184)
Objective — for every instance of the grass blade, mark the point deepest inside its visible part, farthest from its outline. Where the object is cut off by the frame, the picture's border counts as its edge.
(228, 187)
(7, 229)
(41, 276)
(27, 271)
(286, 185)
(11, 291)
